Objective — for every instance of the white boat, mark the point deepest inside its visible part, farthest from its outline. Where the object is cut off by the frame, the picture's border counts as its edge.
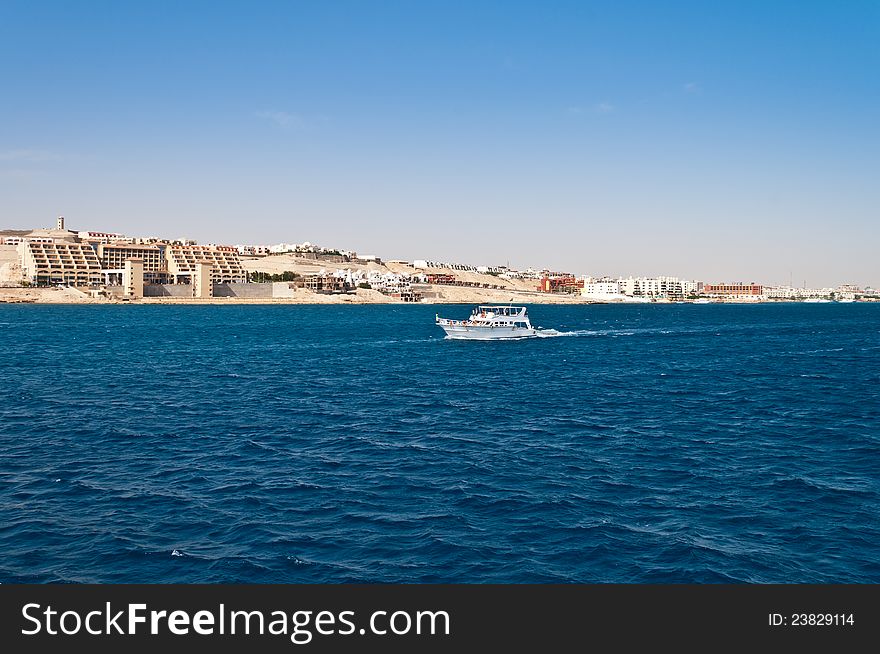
(490, 323)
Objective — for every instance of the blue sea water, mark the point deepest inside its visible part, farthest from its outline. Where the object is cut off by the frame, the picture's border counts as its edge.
(652, 443)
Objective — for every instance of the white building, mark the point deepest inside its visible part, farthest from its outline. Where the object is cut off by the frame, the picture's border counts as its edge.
(101, 237)
(529, 273)
(847, 292)
(691, 288)
(793, 293)
(601, 289)
(669, 288)
(606, 289)
(780, 292)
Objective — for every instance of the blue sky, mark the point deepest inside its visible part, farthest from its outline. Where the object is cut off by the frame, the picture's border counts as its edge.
(722, 141)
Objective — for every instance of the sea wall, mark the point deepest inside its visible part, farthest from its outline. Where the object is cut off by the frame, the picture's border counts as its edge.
(167, 290)
(247, 291)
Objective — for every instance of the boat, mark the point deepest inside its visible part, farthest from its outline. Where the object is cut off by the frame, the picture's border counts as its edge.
(490, 323)
(816, 300)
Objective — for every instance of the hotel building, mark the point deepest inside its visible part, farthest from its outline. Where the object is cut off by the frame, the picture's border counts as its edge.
(738, 290)
(72, 264)
(225, 263)
(114, 255)
(653, 287)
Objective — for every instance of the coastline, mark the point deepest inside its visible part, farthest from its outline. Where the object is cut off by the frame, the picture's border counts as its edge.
(461, 287)
(438, 295)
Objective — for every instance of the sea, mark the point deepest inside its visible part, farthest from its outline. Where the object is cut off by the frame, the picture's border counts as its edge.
(653, 443)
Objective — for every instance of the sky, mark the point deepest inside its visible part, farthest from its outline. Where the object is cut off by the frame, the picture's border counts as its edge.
(735, 141)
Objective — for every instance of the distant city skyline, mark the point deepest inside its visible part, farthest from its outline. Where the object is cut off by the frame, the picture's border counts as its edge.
(725, 143)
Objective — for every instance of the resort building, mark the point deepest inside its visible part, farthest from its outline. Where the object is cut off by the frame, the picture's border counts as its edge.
(253, 250)
(425, 264)
(529, 273)
(669, 288)
(72, 264)
(391, 284)
(847, 292)
(781, 292)
(100, 237)
(560, 283)
(601, 290)
(794, 293)
(225, 263)
(114, 255)
(738, 290)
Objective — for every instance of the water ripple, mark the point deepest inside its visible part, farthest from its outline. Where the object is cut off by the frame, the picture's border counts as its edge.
(706, 444)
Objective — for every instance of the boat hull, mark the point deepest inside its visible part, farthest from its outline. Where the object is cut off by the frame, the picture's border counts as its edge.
(481, 333)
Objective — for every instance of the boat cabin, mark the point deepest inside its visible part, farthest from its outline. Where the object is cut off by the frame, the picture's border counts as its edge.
(510, 311)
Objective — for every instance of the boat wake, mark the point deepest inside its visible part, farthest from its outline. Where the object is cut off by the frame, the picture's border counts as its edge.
(553, 333)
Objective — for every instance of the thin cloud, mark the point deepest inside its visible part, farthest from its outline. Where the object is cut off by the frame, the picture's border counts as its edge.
(31, 156)
(604, 108)
(575, 111)
(283, 119)
(691, 87)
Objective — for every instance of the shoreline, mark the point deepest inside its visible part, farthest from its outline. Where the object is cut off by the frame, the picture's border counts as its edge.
(444, 296)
